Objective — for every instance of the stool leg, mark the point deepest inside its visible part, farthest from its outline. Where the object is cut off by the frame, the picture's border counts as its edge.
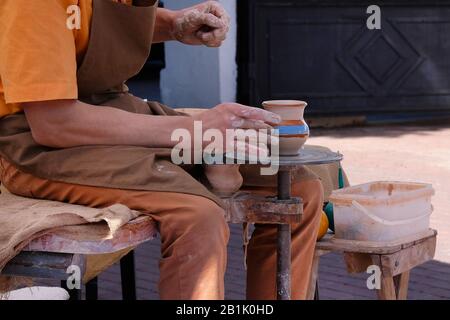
(92, 289)
(402, 282)
(316, 292)
(74, 294)
(313, 287)
(387, 291)
(128, 277)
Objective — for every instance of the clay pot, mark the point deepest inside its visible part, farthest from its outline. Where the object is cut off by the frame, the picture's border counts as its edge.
(293, 129)
(291, 145)
(293, 136)
(291, 123)
(225, 180)
(286, 109)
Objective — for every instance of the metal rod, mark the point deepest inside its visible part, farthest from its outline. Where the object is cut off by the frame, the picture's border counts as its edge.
(284, 185)
(284, 242)
(284, 262)
(92, 289)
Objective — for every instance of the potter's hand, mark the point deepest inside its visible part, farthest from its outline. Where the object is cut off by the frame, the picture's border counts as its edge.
(206, 23)
(236, 116)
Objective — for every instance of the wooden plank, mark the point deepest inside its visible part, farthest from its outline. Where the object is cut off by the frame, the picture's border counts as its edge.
(319, 252)
(357, 262)
(341, 245)
(247, 207)
(95, 238)
(44, 265)
(387, 291)
(406, 259)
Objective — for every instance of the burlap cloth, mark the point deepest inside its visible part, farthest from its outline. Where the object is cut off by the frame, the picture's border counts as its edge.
(23, 219)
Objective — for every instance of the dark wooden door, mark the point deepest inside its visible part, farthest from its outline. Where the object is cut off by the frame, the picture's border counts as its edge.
(323, 52)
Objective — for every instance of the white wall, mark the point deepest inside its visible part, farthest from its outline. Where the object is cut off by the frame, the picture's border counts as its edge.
(200, 77)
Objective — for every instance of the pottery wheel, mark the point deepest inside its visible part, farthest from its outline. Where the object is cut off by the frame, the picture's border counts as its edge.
(310, 155)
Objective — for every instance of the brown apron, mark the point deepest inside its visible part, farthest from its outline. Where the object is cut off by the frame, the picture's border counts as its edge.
(119, 45)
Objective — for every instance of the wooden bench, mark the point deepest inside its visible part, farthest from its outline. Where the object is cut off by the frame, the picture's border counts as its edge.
(49, 256)
(394, 259)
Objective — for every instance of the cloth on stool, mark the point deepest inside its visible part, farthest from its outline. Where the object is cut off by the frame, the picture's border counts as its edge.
(23, 219)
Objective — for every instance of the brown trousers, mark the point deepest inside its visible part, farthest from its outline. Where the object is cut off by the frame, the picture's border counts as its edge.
(194, 234)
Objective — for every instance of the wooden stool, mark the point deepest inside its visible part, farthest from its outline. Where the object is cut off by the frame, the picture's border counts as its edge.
(50, 255)
(395, 259)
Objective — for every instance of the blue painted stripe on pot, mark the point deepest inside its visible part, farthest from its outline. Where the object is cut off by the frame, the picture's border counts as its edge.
(303, 129)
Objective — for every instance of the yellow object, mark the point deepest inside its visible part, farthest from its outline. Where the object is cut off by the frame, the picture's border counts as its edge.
(323, 226)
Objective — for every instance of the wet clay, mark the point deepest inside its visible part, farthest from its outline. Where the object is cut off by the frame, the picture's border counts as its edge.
(225, 180)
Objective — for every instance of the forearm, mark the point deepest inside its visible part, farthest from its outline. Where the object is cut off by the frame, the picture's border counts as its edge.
(163, 26)
(71, 123)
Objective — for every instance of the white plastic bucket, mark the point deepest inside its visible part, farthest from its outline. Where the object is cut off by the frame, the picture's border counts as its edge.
(382, 211)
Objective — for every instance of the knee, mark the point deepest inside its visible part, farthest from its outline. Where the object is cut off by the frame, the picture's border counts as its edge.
(309, 190)
(207, 222)
(312, 194)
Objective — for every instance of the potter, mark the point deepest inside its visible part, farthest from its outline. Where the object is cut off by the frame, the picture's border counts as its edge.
(77, 129)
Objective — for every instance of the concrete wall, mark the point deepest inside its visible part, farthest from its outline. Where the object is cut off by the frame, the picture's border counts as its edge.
(200, 77)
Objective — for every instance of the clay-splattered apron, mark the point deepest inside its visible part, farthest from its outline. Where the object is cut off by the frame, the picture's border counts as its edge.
(119, 45)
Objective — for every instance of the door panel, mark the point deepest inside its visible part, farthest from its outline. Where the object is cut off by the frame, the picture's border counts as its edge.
(324, 53)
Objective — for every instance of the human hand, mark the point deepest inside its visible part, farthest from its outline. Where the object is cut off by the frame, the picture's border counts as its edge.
(236, 116)
(203, 24)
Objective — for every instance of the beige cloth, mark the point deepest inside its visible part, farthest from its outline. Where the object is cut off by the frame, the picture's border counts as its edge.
(23, 219)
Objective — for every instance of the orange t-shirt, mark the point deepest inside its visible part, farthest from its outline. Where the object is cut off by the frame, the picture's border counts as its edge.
(38, 52)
